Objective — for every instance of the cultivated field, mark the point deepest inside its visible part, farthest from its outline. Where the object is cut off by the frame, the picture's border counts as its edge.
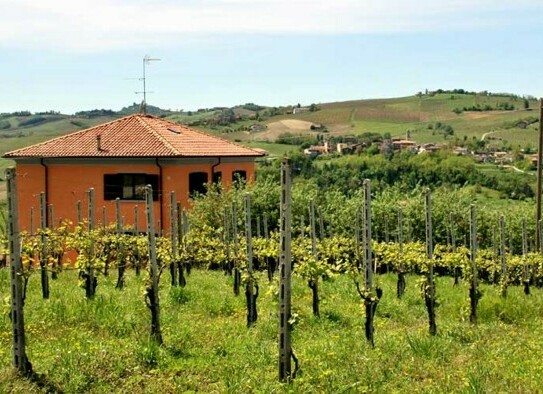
(103, 346)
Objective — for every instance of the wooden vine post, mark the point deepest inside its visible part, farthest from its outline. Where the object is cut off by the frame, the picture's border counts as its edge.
(182, 230)
(400, 288)
(314, 280)
(228, 267)
(285, 271)
(173, 239)
(151, 293)
(474, 293)
(20, 359)
(429, 287)
(31, 221)
(503, 274)
(43, 258)
(525, 265)
(237, 273)
(371, 298)
(79, 214)
(90, 279)
(251, 287)
(121, 265)
(321, 224)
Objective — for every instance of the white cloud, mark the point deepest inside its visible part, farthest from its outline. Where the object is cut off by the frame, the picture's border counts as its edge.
(85, 25)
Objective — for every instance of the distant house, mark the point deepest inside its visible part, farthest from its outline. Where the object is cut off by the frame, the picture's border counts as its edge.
(429, 148)
(400, 144)
(460, 151)
(300, 110)
(118, 159)
(316, 150)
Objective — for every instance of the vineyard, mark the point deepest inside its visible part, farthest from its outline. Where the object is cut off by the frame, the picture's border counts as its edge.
(390, 292)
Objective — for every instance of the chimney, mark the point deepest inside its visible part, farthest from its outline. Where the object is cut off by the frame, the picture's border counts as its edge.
(99, 143)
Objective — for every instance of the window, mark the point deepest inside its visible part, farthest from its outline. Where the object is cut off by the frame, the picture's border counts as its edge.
(129, 186)
(197, 182)
(239, 176)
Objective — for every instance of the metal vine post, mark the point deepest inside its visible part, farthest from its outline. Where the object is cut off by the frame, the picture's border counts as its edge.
(314, 280)
(400, 288)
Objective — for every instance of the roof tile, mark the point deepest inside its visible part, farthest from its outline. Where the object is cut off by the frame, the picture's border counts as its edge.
(136, 136)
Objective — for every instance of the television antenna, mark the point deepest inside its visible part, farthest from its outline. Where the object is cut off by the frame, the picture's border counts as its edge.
(146, 60)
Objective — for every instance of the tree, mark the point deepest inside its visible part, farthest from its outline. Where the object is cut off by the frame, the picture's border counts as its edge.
(526, 104)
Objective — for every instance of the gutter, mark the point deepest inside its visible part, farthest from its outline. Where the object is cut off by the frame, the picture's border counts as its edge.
(46, 176)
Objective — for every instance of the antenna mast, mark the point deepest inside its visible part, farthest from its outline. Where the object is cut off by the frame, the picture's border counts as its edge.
(146, 60)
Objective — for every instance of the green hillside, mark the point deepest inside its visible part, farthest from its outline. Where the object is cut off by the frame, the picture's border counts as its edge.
(468, 115)
(398, 115)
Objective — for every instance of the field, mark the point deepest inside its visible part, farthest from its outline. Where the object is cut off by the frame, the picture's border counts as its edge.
(102, 345)
(397, 115)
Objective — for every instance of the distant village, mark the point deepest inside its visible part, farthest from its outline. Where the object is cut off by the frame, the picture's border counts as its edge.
(351, 145)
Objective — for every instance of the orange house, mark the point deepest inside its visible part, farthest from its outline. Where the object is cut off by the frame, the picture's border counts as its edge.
(118, 159)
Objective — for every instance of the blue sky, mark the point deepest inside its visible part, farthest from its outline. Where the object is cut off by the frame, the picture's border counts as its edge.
(77, 55)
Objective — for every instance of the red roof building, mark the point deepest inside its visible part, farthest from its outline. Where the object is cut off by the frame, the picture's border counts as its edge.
(118, 159)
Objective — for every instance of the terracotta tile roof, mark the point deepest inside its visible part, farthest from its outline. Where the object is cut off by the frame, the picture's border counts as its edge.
(135, 136)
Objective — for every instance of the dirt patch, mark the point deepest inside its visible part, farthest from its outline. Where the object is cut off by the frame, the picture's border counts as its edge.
(275, 129)
(476, 115)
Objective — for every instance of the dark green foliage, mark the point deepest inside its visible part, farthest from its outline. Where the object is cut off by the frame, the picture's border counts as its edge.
(33, 120)
(4, 125)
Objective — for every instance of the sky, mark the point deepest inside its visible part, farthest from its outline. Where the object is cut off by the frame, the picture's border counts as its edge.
(74, 55)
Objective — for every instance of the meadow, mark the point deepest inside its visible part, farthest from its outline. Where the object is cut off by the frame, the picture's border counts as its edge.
(103, 345)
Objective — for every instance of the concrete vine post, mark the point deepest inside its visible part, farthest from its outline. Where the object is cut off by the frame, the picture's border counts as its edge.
(285, 271)
(251, 287)
(474, 293)
(20, 359)
(43, 257)
(151, 293)
(429, 287)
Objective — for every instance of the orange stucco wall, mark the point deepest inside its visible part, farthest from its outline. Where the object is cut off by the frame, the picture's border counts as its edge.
(68, 183)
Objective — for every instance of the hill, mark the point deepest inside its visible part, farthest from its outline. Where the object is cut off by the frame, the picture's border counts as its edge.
(425, 117)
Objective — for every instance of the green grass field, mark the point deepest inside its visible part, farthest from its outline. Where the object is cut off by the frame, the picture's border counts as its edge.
(103, 345)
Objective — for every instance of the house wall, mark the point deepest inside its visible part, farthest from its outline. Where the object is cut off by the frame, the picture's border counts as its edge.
(68, 181)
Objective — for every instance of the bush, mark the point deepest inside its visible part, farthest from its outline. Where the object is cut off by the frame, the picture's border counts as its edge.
(4, 125)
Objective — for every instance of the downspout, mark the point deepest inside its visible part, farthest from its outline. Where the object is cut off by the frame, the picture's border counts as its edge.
(214, 166)
(160, 194)
(46, 176)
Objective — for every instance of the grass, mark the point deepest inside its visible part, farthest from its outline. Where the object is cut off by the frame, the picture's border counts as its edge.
(103, 345)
